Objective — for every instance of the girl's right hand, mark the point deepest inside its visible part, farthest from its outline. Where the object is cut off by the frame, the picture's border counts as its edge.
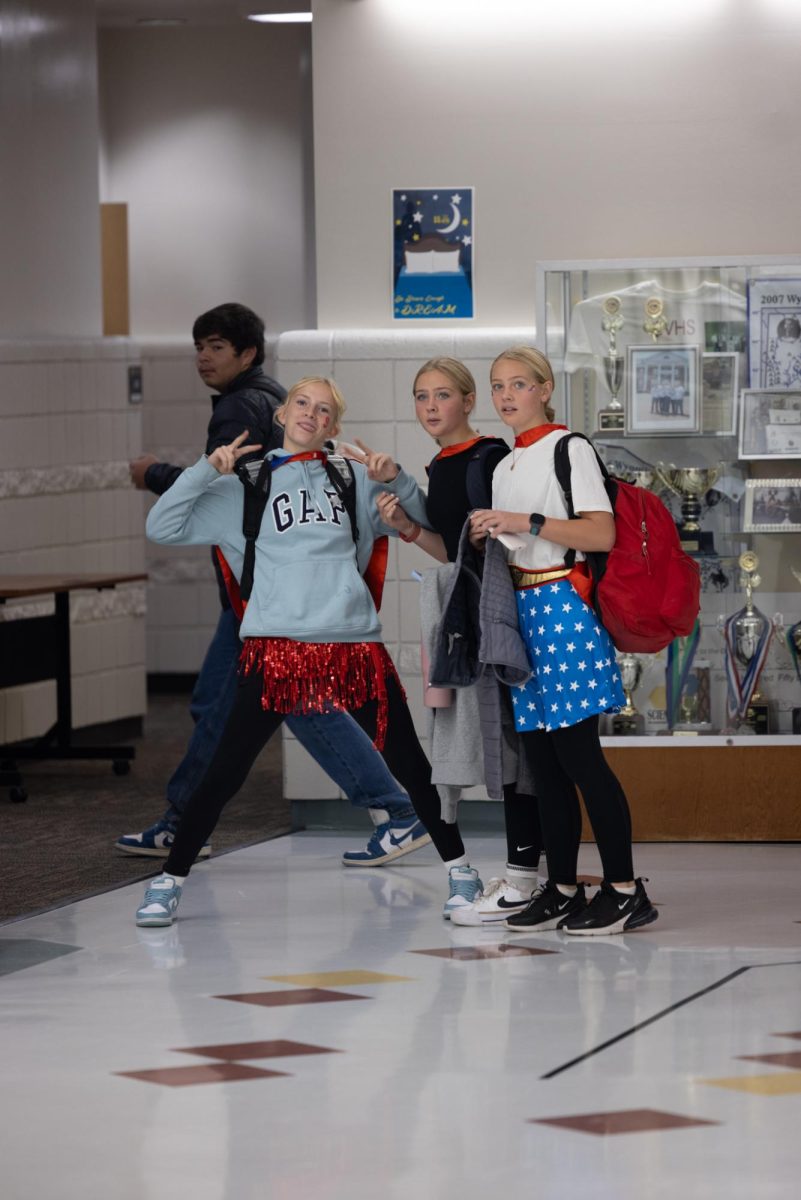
(225, 458)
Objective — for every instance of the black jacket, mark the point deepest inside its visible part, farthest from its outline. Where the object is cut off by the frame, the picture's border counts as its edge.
(248, 403)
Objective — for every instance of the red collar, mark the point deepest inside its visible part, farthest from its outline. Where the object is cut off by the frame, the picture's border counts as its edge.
(447, 451)
(529, 436)
(305, 456)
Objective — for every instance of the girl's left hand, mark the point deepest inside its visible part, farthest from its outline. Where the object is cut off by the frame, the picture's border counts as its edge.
(492, 521)
(380, 467)
(225, 458)
(393, 514)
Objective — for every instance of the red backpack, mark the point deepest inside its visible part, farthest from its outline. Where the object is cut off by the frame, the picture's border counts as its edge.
(646, 589)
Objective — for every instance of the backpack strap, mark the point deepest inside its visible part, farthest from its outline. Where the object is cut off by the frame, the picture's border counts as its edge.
(256, 479)
(561, 462)
(340, 476)
(479, 495)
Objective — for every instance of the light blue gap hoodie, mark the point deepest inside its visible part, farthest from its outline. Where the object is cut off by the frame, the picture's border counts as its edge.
(307, 584)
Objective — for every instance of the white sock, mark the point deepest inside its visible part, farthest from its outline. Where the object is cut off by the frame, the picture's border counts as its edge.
(179, 879)
(463, 861)
(379, 816)
(625, 891)
(567, 889)
(523, 878)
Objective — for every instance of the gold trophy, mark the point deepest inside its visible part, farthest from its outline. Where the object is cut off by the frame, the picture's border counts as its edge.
(690, 483)
(628, 721)
(611, 419)
(655, 321)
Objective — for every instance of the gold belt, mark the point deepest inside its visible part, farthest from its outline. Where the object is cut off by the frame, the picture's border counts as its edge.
(523, 579)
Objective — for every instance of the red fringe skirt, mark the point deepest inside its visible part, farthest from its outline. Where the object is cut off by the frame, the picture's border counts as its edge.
(312, 677)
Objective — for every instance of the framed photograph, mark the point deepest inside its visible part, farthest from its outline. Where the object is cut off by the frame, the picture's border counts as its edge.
(662, 390)
(725, 336)
(774, 333)
(720, 374)
(772, 506)
(770, 423)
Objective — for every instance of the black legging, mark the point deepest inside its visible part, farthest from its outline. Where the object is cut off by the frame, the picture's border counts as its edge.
(561, 761)
(248, 729)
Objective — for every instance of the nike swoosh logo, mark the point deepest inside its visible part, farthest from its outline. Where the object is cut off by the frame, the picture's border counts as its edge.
(559, 907)
(520, 849)
(502, 903)
(620, 907)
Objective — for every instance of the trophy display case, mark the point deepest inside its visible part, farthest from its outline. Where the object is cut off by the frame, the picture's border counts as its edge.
(687, 376)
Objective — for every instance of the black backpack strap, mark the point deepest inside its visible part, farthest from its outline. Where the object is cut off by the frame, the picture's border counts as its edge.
(561, 462)
(478, 495)
(340, 475)
(256, 478)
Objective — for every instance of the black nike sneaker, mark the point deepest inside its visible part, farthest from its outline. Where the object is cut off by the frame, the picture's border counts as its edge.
(548, 909)
(610, 911)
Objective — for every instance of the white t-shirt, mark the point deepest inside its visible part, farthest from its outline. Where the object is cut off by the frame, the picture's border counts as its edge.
(685, 315)
(525, 481)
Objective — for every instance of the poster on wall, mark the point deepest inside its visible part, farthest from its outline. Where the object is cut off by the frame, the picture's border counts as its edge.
(432, 273)
(774, 333)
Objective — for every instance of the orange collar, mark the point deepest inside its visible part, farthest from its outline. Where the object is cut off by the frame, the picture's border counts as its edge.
(447, 451)
(529, 436)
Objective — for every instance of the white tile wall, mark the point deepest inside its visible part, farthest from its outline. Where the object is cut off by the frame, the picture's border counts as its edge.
(66, 434)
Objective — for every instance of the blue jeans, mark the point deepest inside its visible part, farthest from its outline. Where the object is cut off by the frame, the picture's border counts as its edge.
(333, 739)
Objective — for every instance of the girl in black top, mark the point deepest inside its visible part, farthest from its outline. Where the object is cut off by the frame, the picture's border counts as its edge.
(460, 479)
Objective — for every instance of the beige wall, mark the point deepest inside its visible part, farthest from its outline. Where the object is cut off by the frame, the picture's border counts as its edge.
(49, 217)
(206, 135)
(588, 129)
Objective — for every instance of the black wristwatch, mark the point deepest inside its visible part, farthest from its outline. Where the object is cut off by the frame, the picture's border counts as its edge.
(535, 523)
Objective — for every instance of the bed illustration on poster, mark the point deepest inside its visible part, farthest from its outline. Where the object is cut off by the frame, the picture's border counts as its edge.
(432, 253)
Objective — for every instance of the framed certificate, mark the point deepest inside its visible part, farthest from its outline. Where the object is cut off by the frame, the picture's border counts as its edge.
(774, 333)
(770, 423)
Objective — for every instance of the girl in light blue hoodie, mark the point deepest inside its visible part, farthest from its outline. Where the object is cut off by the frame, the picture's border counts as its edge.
(311, 633)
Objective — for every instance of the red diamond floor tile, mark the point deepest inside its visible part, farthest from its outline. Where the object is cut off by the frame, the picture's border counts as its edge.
(238, 1050)
(223, 1072)
(291, 996)
(631, 1120)
(790, 1058)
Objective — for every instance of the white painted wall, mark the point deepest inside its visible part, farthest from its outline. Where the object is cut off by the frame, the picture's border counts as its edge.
(588, 129)
(49, 219)
(206, 136)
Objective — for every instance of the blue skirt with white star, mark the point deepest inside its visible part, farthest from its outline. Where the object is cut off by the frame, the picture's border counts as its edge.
(575, 674)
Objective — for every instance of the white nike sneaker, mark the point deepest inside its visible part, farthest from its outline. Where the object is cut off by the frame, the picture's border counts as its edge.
(498, 901)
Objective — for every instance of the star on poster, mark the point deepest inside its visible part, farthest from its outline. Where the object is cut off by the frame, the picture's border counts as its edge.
(432, 253)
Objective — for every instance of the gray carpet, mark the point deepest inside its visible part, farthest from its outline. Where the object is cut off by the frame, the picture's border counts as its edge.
(59, 845)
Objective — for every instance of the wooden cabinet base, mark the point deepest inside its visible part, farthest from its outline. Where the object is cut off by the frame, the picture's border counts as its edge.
(711, 794)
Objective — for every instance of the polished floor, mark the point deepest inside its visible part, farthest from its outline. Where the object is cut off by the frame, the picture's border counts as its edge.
(306, 1031)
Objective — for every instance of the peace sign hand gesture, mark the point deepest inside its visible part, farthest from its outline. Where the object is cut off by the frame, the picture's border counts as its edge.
(224, 458)
(380, 467)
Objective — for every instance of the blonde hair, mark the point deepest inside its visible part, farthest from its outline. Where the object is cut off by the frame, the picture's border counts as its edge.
(459, 375)
(336, 394)
(535, 362)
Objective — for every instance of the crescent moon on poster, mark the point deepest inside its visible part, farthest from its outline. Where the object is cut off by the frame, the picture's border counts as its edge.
(457, 216)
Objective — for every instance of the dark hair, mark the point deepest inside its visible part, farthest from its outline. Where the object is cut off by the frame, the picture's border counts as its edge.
(237, 324)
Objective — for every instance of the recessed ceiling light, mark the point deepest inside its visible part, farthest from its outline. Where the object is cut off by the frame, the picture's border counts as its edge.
(281, 18)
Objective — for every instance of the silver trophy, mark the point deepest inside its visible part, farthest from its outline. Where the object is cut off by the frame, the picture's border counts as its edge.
(610, 419)
(628, 721)
(689, 484)
(750, 630)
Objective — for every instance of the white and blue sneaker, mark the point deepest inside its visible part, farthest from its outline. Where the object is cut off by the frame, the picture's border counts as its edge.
(160, 903)
(465, 888)
(390, 840)
(155, 842)
(499, 899)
